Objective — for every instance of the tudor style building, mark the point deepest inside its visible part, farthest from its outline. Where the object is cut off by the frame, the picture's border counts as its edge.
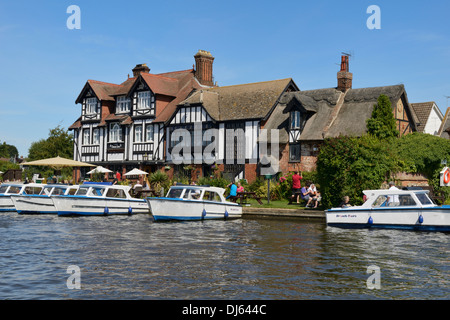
(134, 124)
(121, 125)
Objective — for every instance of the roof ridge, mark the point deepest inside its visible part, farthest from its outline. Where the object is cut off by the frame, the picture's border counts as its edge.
(251, 83)
(159, 76)
(103, 82)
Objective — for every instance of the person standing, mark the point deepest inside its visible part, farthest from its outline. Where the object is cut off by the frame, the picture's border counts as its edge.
(296, 185)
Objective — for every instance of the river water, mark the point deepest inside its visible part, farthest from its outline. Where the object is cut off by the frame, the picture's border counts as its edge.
(132, 257)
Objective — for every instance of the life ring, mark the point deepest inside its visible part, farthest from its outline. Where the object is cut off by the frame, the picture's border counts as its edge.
(447, 176)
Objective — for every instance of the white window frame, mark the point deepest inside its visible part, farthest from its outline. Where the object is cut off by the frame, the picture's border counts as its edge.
(123, 104)
(115, 133)
(86, 136)
(149, 133)
(295, 119)
(91, 106)
(138, 133)
(144, 100)
(96, 136)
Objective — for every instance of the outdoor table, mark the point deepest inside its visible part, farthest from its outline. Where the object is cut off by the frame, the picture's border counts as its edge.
(243, 196)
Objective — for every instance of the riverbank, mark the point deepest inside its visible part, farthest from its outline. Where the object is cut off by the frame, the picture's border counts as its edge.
(248, 212)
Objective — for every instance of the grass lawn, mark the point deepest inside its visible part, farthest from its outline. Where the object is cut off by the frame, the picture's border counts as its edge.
(276, 204)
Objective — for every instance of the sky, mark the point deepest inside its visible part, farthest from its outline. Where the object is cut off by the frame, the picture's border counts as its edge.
(44, 64)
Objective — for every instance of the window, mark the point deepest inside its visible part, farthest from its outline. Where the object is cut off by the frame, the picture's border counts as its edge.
(96, 136)
(87, 136)
(91, 105)
(211, 196)
(149, 133)
(115, 134)
(295, 120)
(123, 104)
(294, 152)
(143, 100)
(423, 198)
(138, 133)
(116, 193)
(174, 193)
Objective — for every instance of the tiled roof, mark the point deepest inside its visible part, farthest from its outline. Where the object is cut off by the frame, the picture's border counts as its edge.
(422, 111)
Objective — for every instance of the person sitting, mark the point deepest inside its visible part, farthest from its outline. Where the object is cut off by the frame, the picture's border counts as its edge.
(314, 196)
(345, 202)
(239, 188)
(304, 193)
(233, 191)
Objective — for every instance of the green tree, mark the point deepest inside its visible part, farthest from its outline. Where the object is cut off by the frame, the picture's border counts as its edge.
(382, 124)
(348, 165)
(424, 153)
(8, 151)
(58, 143)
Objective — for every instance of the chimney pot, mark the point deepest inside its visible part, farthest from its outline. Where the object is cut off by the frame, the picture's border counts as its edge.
(204, 67)
(344, 77)
(139, 69)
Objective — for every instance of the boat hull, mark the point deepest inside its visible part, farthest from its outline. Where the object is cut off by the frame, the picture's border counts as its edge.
(34, 204)
(165, 209)
(87, 206)
(426, 219)
(6, 204)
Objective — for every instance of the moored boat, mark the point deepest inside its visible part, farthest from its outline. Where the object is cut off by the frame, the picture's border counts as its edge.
(394, 209)
(100, 199)
(193, 203)
(41, 203)
(8, 189)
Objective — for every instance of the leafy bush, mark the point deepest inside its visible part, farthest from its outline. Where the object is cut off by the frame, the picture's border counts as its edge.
(349, 165)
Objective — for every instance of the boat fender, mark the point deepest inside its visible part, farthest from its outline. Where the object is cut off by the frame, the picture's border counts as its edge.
(226, 214)
(421, 219)
(203, 213)
(130, 210)
(370, 222)
(106, 212)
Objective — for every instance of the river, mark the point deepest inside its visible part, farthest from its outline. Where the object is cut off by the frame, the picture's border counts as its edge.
(46, 257)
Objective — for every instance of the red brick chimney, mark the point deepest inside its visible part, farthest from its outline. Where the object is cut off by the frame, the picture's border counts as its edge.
(139, 69)
(344, 77)
(204, 67)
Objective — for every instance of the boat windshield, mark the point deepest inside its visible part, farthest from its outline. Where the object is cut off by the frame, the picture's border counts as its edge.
(174, 193)
(423, 198)
(3, 189)
(14, 190)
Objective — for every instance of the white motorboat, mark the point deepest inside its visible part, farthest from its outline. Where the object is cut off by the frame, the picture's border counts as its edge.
(42, 203)
(395, 209)
(8, 189)
(193, 203)
(99, 199)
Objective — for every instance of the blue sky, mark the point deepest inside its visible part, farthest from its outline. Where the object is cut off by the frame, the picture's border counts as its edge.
(44, 65)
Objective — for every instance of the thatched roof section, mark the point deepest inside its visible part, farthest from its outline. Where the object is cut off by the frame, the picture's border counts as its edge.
(240, 102)
(332, 113)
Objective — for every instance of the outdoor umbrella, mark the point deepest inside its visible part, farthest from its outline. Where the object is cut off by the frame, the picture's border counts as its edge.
(99, 169)
(57, 163)
(135, 172)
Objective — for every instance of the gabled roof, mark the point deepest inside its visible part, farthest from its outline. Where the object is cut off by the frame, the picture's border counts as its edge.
(103, 90)
(238, 102)
(423, 111)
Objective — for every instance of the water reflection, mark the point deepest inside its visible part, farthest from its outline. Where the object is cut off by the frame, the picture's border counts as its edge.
(135, 258)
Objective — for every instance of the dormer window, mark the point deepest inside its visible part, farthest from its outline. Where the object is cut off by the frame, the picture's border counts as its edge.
(123, 104)
(295, 119)
(91, 106)
(144, 100)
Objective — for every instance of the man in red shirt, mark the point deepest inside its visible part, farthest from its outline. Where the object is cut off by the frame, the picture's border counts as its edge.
(296, 186)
